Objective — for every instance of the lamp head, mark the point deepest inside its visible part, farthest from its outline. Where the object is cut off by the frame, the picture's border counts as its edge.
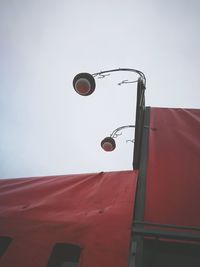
(84, 84)
(108, 144)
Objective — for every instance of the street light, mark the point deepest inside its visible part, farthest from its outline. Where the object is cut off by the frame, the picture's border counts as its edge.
(84, 84)
(108, 144)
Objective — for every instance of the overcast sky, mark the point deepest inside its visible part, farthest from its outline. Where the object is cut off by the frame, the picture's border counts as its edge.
(46, 128)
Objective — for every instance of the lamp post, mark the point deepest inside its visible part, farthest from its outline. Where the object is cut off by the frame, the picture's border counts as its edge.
(84, 84)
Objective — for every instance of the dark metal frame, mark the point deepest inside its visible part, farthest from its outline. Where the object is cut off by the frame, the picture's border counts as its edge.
(187, 236)
(172, 226)
(144, 228)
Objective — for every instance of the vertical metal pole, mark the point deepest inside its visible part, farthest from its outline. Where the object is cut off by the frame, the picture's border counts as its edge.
(136, 251)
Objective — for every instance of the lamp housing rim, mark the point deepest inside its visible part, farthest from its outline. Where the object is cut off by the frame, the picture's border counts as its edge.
(109, 140)
(89, 78)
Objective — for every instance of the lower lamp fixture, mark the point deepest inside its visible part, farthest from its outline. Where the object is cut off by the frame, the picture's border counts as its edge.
(108, 143)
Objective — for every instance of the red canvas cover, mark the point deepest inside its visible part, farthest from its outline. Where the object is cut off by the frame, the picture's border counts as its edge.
(91, 210)
(173, 167)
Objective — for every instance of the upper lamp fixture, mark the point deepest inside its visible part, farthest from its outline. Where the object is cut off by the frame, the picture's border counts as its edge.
(84, 84)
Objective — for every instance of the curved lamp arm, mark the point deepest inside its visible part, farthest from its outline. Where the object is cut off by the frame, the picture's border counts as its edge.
(114, 133)
(101, 73)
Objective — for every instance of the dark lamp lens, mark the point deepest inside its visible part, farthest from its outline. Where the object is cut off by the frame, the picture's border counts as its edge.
(108, 146)
(83, 86)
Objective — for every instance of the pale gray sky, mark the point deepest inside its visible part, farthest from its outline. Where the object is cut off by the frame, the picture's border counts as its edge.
(46, 128)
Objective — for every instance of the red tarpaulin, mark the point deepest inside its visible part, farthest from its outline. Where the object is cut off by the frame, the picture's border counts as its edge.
(91, 210)
(173, 167)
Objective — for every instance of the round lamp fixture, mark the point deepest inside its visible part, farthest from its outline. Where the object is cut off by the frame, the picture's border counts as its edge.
(84, 84)
(108, 144)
